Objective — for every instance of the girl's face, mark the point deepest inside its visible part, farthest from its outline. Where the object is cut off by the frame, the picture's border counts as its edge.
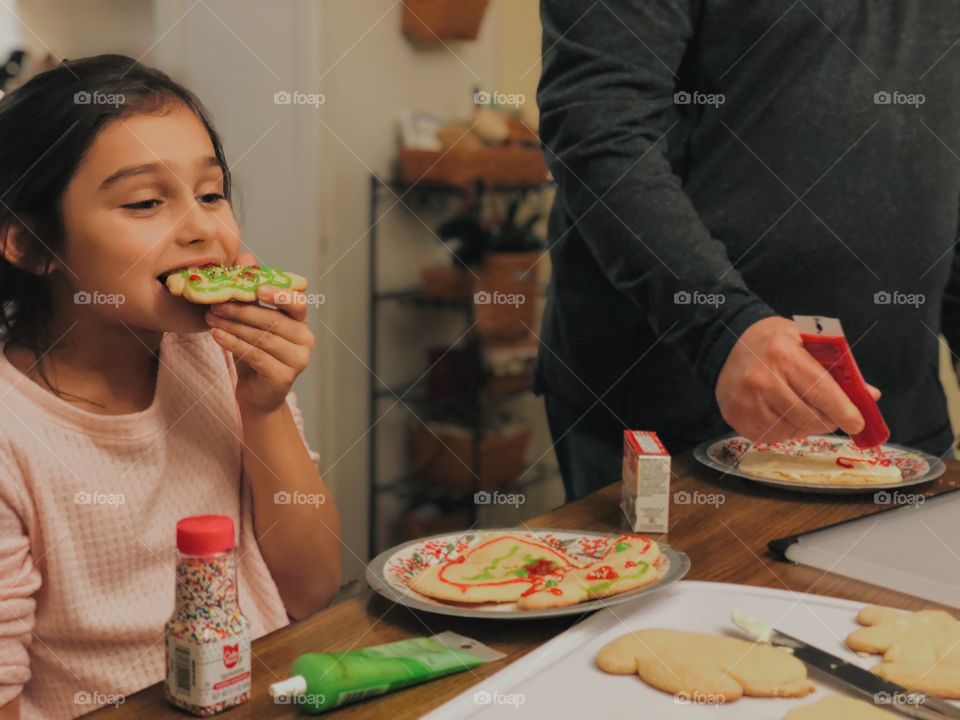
(146, 199)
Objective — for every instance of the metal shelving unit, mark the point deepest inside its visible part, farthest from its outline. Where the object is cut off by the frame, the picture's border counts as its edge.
(405, 485)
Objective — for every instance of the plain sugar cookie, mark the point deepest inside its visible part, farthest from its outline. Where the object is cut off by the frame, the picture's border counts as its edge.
(698, 665)
(839, 707)
(921, 650)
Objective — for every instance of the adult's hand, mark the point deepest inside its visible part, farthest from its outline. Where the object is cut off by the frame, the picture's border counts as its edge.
(771, 389)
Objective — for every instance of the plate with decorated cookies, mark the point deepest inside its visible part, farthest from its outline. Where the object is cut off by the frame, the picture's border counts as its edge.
(820, 464)
(524, 573)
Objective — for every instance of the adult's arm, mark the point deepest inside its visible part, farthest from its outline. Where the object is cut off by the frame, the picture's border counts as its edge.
(605, 96)
(950, 306)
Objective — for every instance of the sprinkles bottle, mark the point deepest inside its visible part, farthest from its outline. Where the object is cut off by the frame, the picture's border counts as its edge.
(208, 640)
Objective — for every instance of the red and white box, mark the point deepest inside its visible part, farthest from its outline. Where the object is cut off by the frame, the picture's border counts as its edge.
(645, 494)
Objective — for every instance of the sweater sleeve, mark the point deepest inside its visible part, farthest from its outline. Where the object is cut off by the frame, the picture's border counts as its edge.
(292, 403)
(606, 94)
(950, 305)
(19, 581)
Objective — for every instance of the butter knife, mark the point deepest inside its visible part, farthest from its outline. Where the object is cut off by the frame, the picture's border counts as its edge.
(882, 693)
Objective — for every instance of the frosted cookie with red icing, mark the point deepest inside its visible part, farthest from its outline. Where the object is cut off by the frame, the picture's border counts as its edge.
(820, 463)
(499, 569)
(631, 562)
(210, 284)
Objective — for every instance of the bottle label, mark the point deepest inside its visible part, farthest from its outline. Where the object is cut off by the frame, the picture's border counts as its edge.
(208, 674)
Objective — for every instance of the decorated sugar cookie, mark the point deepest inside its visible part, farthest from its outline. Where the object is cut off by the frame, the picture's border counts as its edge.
(209, 284)
(632, 561)
(821, 460)
(499, 569)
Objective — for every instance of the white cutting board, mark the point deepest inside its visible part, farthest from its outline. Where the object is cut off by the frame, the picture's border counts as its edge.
(914, 549)
(560, 679)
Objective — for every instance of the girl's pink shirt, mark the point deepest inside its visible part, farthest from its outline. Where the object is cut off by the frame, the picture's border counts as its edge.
(88, 510)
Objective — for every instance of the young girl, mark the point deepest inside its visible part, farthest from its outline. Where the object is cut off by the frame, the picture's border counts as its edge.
(124, 408)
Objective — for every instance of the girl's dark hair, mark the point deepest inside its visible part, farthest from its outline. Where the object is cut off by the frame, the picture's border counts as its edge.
(46, 127)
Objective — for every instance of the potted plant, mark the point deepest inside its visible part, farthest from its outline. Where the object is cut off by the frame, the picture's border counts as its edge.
(450, 455)
(494, 264)
(506, 292)
(514, 250)
(467, 239)
(432, 21)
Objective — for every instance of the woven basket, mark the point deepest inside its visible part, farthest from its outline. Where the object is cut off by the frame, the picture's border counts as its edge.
(511, 267)
(509, 384)
(505, 297)
(505, 311)
(447, 460)
(508, 165)
(413, 525)
(446, 284)
(431, 21)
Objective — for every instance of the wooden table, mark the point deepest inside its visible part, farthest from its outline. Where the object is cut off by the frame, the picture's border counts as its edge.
(726, 543)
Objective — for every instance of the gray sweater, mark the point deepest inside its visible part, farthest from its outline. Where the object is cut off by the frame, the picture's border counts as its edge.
(722, 161)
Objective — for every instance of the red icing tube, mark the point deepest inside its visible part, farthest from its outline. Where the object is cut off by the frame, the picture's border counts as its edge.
(824, 339)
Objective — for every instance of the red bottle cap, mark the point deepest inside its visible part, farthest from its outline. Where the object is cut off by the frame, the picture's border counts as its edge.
(205, 534)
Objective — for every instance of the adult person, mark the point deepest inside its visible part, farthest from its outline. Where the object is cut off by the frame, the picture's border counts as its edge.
(722, 165)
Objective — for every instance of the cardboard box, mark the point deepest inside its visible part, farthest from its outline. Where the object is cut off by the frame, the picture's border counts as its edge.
(645, 493)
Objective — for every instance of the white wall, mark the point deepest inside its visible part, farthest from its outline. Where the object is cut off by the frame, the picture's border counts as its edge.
(372, 74)
(83, 27)
(11, 29)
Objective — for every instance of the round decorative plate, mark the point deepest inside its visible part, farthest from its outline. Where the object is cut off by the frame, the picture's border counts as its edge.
(916, 467)
(390, 573)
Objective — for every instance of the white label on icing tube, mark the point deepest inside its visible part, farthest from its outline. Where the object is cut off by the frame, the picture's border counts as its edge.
(817, 325)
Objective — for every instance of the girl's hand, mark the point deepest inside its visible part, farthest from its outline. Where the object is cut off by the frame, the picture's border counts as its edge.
(270, 347)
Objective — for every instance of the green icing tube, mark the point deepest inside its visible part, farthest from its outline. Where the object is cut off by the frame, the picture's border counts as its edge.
(324, 681)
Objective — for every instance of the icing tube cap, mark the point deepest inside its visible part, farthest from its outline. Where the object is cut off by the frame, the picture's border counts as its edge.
(292, 686)
(205, 534)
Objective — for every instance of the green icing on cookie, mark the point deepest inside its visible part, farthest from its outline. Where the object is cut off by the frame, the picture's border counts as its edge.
(601, 586)
(486, 573)
(214, 278)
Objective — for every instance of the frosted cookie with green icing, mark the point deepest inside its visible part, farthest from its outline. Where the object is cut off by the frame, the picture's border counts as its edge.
(499, 569)
(631, 562)
(209, 284)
